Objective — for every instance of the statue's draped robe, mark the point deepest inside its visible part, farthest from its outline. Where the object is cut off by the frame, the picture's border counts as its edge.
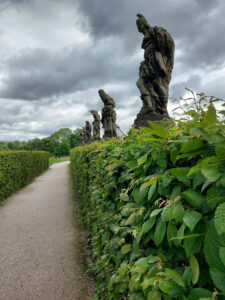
(155, 71)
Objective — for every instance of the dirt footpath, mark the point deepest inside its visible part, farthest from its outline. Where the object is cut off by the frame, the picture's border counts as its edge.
(41, 250)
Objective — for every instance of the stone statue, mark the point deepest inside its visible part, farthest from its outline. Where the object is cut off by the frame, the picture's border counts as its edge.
(82, 136)
(88, 129)
(108, 115)
(155, 72)
(96, 125)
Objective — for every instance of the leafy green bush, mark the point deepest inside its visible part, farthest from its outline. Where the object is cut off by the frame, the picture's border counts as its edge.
(154, 206)
(17, 168)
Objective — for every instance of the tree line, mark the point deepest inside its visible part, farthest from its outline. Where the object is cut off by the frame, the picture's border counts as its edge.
(58, 144)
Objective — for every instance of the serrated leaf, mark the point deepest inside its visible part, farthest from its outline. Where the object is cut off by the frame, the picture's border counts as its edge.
(167, 285)
(191, 219)
(142, 159)
(198, 293)
(211, 250)
(219, 219)
(172, 233)
(192, 145)
(211, 173)
(154, 295)
(126, 248)
(158, 129)
(155, 212)
(132, 164)
(152, 190)
(167, 214)
(124, 197)
(148, 225)
(140, 266)
(159, 233)
(222, 254)
(218, 278)
(194, 268)
(194, 198)
(176, 277)
(178, 213)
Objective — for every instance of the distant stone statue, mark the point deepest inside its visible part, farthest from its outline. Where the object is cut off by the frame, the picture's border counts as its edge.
(82, 136)
(108, 115)
(96, 125)
(88, 129)
(155, 72)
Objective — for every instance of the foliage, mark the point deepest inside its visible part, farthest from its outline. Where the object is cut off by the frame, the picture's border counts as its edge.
(154, 207)
(52, 144)
(62, 149)
(17, 168)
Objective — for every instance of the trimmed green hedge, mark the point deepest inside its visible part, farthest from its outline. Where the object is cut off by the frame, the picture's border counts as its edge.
(154, 206)
(17, 168)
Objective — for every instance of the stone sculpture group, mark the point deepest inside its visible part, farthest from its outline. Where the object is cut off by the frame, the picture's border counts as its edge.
(154, 78)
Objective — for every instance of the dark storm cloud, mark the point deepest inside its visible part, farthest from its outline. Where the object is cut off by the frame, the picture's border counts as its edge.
(178, 89)
(61, 73)
(196, 25)
(37, 73)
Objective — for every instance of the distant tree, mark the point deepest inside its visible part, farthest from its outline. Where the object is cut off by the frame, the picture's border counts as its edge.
(4, 146)
(75, 138)
(63, 149)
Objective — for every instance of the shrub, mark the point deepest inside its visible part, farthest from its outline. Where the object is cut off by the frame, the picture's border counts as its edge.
(154, 206)
(17, 168)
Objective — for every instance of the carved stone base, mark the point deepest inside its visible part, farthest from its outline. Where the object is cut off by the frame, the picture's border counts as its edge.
(143, 118)
(109, 134)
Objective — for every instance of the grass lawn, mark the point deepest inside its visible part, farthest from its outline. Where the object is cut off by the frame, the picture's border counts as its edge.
(54, 160)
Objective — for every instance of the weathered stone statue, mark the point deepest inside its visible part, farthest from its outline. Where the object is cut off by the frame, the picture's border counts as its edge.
(108, 115)
(82, 136)
(88, 129)
(155, 72)
(96, 125)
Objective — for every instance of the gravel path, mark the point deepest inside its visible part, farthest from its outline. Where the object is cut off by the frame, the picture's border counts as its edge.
(41, 250)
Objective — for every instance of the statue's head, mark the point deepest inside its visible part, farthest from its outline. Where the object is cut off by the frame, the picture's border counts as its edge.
(142, 24)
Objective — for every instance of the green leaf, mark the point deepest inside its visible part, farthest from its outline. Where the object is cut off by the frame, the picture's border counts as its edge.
(172, 233)
(191, 218)
(198, 293)
(152, 190)
(218, 278)
(176, 277)
(192, 144)
(167, 214)
(219, 219)
(211, 114)
(159, 233)
(167, 286)
(154, 295)
(194, 198)
(132, 164)
(124, 197)
(222, 254)
(187, 276)
(192, 244)
(175, 192)
(211, 250)
(148, 225)
(211, 173)
(140, 266)
(126, 248)
(142, 159)
(158, 129)
(194, 268)
(156, 212)
(178, 213)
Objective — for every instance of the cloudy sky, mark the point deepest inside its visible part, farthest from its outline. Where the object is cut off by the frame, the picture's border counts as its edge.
(56, 54)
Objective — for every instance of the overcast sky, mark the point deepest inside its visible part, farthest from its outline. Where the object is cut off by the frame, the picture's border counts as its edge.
(56, 54)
